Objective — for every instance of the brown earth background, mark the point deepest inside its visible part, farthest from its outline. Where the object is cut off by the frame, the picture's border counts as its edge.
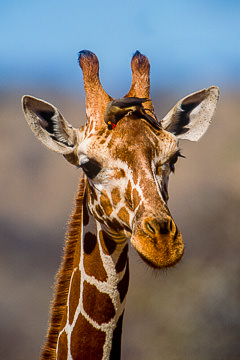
(190, 312)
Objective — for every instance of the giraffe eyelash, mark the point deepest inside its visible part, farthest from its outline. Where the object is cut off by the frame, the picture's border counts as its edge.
(174, 159)
(170, 162)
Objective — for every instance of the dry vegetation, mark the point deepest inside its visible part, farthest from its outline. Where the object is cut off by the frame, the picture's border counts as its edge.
(189, 312)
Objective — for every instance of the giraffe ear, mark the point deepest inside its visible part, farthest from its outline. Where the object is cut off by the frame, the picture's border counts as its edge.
(49, 126)
(191, 116)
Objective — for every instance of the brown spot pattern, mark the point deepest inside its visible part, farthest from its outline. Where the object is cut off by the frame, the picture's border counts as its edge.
(122, 259)
(93, 264)
(116, 196)
(97, 305)
(108, 245)
(74, 295)
(128, 195)
(116, 340)
(106, 203)
(114, 224)
(86, 341)
(99, 210)
(136, 198)
(92, 193)
(85, 211)
(62, 347)
(119, 174)
(123, 284)
(89, 243)
(124, 215)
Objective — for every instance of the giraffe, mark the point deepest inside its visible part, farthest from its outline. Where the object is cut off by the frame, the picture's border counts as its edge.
(122, 198)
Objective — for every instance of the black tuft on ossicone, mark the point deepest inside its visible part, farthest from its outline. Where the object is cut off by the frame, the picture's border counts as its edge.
(88, 60)
(85, 53)
(140, 58)
(137, 53)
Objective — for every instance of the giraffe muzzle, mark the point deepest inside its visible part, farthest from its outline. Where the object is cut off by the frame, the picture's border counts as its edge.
(158, 241)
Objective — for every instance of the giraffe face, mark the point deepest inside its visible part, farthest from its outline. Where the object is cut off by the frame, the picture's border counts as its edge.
(128, 170)
(128, 167)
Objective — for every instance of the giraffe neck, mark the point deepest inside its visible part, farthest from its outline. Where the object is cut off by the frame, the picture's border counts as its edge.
(91, 324)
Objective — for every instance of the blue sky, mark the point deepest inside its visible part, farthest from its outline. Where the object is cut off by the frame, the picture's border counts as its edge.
(190, 44)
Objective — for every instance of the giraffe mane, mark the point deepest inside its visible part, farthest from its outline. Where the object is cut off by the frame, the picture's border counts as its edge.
(63, 277)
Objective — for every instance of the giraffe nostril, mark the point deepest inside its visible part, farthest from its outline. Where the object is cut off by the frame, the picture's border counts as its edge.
(150, 227)
(154, 226)
(164, 227)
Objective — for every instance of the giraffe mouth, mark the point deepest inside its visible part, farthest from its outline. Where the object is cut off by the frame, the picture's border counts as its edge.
(152, 264)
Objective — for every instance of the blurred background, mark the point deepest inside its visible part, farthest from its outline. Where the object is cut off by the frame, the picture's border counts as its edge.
(193, 310)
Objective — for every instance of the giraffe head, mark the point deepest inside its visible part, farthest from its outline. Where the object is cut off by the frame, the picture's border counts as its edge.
(127, 167)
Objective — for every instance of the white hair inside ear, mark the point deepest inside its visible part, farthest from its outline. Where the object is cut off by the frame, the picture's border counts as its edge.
(49, 126)
(190, 118)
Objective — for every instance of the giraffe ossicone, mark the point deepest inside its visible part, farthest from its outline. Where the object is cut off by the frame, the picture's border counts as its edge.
(122, 198)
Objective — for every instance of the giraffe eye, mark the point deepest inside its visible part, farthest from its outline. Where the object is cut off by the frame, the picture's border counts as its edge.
(172, 167)
(172, 163)
(91, 168)
(174, 159)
